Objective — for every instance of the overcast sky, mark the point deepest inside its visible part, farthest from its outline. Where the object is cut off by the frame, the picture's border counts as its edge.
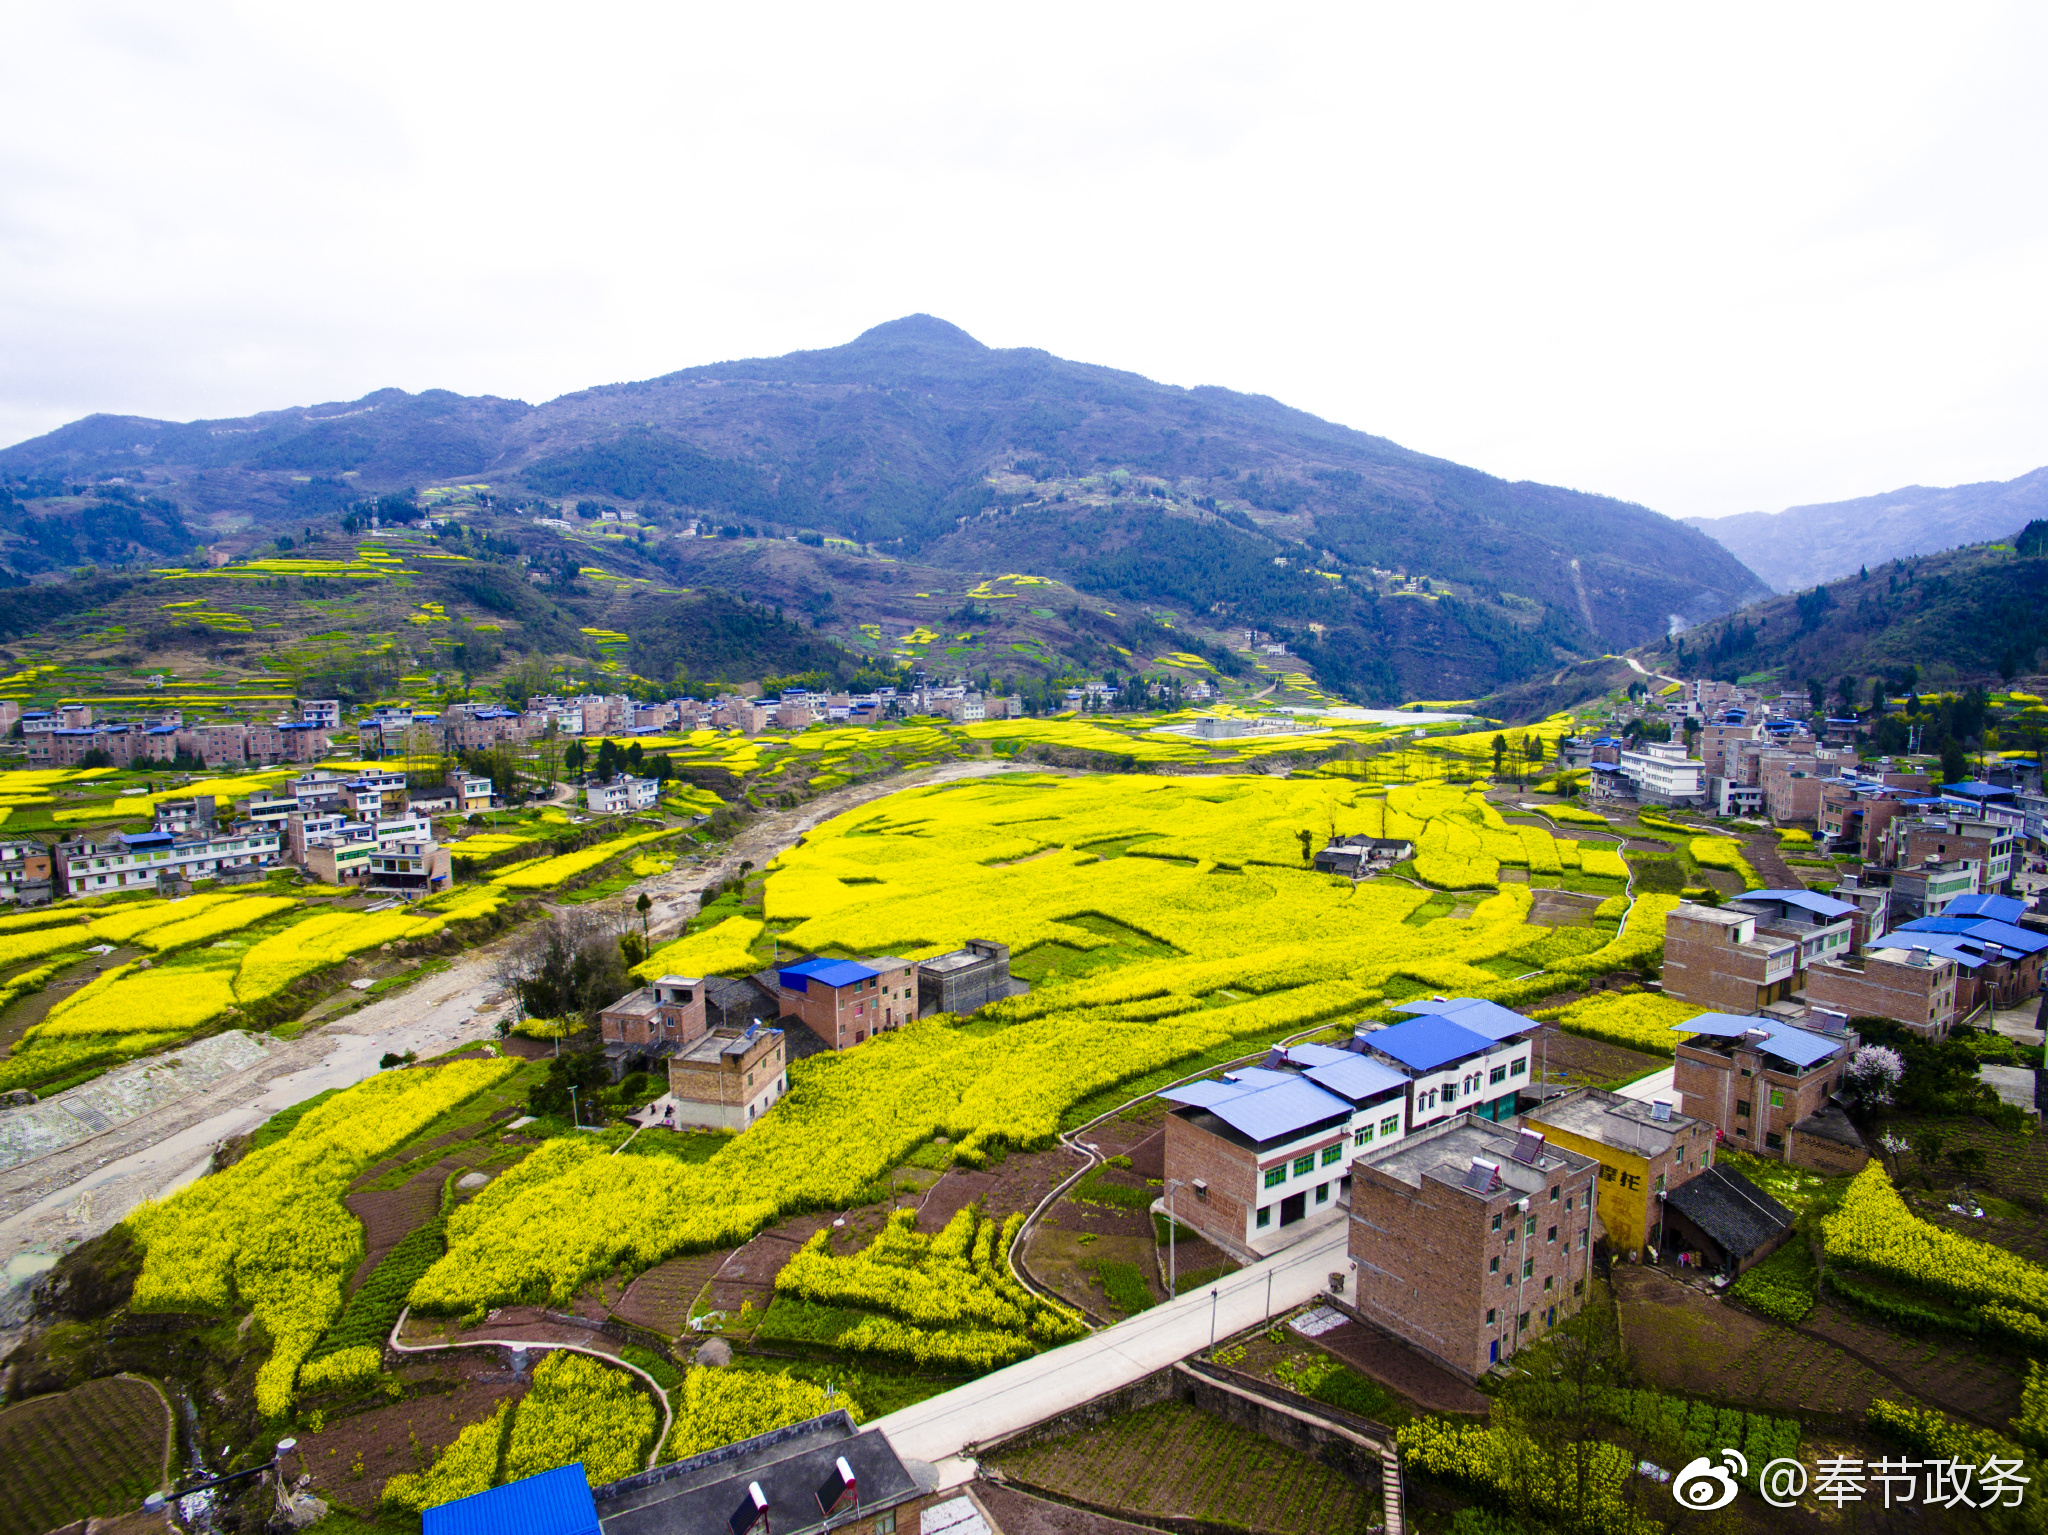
(1714, 261)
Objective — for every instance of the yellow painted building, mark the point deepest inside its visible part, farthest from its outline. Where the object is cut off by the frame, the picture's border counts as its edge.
(1644, 1150)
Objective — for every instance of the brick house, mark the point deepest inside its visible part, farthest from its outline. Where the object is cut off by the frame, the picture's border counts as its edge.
(1824, 926)
(1872, 918)
(1469, 1240)
(1757, 1079)
(1262, 1153)
(652, 1023)
(1730, 1223)
(845, 1002)
(1715, 957)
(1909, 986)
(1644, 1151)
(726, 1078)
(1462, 1055)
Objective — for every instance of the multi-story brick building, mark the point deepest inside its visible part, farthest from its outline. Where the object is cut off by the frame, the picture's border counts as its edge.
(652, 1023)
(1260, 1154)
(1913, 844)
(1925, 890)
(1715, 957)
(1645, 1150)
(1824, 926)
(726, 1078)
(844, 1002)
(1907, 985)
(1792, 786)
(1462, 1056)
(216, 745)
(1872, 918)
(1758, 1079)
(1469, 1240)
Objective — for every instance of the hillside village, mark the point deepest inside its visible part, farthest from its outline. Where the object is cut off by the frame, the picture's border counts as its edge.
(1430, 1058)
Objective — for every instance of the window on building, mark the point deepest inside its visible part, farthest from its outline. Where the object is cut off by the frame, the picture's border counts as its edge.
(1495, 1077)
(1528, 1268)
(1742, 1108)
(1529, 1227)
(1496, 1223)
(1553, 1235)
(1303, 1166)
(1777, 1097)
(1489, 1316)
(1568, 1203)
(885, 1522)
(1774, 1140)
(1493, 1266)
(1522, 1322)
(1555, 1190)
(1660, 1181)
(1582, 1240)
(1519, 1067)
(1450, 1093)
(1275, 1176)
(1390, 1125)
(1549, 1281)
(1266, 1216)
(1332, 1153)
(1322, 1193)
(1363, 1137)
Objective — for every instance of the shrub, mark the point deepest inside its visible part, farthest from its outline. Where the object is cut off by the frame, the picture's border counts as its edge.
(1782, 1286)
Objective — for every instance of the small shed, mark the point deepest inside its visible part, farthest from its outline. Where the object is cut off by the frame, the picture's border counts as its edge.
(1731, 1223)
(556, 1502)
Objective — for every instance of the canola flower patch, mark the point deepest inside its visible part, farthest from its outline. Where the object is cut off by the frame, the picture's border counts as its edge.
(467, 1467)
(329, 937)
(271, 1232)
(726, 949)
(167, 1001)
(544, 873)
(1874, 1230)
(579, 1409)
(718, 1407)
(1637, 1020)
(228, 917)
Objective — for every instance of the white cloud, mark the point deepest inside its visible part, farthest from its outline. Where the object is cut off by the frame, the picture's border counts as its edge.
(1709, 261)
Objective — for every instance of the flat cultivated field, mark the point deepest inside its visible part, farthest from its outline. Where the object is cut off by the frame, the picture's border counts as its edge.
(98, 1449)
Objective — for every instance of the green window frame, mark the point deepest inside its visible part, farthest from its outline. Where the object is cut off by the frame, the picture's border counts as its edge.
(1275, 1176)
(1363, 1137)
(1332, 1153)
(1391, 1125)
(1304, 1165)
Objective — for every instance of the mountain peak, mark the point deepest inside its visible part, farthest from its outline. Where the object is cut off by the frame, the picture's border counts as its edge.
(921, 330)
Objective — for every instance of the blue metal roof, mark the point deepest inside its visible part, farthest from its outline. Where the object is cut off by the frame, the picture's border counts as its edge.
(1976, 789)
(1983, 929)
(1318, 1055)
(1268, 1111)
(1802, 1047)
(2000, 908)
(1948, 945)
(826, 972)
(1477, 1014)
(555, 1502)
(145, 838)
(1356, 1078)
(1427, 1043)
(1805, 900)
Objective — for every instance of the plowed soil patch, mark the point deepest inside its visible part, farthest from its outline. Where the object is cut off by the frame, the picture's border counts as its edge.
(660, 1299)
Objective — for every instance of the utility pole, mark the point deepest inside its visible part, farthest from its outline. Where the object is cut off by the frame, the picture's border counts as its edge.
(1213, 1294)
(575, 1113)
(1172, 1267)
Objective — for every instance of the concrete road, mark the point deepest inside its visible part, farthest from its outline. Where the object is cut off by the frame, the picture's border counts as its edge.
(940, 1428)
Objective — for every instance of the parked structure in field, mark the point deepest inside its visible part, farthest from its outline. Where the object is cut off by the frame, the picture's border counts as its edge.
(1469, 1240)
(1645, 1150)
(966, 980)
(845, 1002)
(1764, 1084)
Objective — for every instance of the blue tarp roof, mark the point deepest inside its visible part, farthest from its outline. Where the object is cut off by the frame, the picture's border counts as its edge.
(826, 972)
(1265, 1111)
(2001, 908)
(555, 1502)
(1356, 1078)
(1427, 1043)
(1806, 900)
(1802, 1047)
(1984, 929)
(1476, 1014)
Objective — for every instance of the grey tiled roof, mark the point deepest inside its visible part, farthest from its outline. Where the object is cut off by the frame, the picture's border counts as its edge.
(1729, 1208)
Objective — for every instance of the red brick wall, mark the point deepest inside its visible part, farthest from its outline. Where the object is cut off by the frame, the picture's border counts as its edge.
(1222, 1212)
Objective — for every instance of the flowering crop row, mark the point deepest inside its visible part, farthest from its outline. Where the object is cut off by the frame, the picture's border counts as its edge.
(577, 1410)
(271, 1231)
(37, 1061)
(1874, 1230)
(717, 1407)
(1724, 853)
(1572, 815)
(1595, 858)
(327, 938)
(725, 949)
(1636, 1020)
(467, 1467)
(169, 1001)
(229, 917)
(545, 873)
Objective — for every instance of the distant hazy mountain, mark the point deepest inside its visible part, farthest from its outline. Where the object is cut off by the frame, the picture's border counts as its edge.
(917, 441)
(1803, 546)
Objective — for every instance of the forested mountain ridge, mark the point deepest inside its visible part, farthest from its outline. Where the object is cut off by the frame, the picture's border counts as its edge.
(1805, 545)
(1392, 573)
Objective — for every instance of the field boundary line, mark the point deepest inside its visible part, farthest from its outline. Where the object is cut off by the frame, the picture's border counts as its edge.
(668, 1416)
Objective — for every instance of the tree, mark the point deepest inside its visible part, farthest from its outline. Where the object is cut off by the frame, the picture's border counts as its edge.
(643, 905)
(1969, 1161)
(574, 758)
(609, 758)
(1927, 1146)
(1500, 750)
(1308, 840)
(1872, 1077)
(1845, 690)
(1955, 762)
(587, 1071)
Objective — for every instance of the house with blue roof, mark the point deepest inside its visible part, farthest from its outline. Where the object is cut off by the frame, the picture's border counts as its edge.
(1824, 926)
(846, 1002)
(1767, 1086)
(1461, 1056)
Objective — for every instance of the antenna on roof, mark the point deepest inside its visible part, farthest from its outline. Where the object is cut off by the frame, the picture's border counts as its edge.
(1660, 1111)
(1528, 1146)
